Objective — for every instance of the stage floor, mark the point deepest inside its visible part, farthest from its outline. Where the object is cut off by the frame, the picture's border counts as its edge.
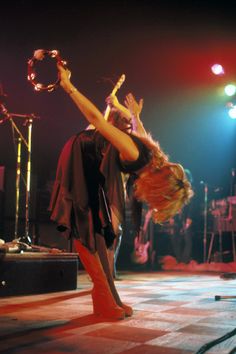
(174, 313)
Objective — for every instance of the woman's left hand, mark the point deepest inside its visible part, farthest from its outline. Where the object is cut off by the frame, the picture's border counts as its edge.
(134, 107)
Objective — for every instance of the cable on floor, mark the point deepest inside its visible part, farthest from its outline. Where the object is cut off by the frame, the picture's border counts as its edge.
(233, 351)
(211, 344)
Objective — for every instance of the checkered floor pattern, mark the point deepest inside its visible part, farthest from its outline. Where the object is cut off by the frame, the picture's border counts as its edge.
(174, 313)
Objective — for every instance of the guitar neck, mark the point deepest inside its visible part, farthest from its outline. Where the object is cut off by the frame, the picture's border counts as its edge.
(144, 229)
(142, 235)
(115, 89)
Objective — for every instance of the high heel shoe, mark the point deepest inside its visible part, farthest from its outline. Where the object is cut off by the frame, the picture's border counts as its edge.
(128, 310)
(104, 303)
(105, 309)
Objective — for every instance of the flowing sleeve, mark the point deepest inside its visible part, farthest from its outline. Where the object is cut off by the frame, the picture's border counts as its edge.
(142, 160)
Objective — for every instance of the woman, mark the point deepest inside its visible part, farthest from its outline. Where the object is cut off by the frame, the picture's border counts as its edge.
(89, 181)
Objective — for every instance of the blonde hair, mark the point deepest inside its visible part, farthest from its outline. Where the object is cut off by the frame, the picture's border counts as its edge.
(162, 185)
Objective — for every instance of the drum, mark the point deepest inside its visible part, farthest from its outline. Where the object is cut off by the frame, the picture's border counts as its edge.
(224, 214)
(219, 208)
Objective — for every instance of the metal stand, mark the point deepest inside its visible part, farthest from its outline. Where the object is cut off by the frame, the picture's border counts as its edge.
(220, 231)
(18, 175)
(231, 200)
(26, 238)
(28, 120)
(205, 221)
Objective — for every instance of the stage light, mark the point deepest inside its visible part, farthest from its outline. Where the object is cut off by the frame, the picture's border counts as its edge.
(229, 105)
(217, 69)
(232, 112)
(230, 90)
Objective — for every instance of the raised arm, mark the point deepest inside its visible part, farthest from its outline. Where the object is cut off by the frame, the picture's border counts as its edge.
(131, 111)
(120, 140)
(135, 109)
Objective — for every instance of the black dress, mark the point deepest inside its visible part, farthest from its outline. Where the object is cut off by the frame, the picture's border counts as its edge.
(88, 182)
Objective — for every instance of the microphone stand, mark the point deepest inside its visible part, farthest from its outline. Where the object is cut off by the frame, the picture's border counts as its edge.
(29, 122)
(205, 221)
(28, 143)
(18, 175)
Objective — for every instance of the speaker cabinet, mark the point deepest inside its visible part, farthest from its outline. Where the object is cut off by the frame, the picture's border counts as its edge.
(2, 178)
(36, 273)
(2, 183)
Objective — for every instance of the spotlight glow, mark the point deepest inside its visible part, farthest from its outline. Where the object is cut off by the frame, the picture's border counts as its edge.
(230, 90)
(232, 112)
(229, 105)
(217, 69)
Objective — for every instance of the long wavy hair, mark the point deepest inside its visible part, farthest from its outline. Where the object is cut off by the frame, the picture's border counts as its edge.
(161, 184)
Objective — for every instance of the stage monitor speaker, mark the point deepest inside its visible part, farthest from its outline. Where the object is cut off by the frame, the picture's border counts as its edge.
(2, 178)
(37, 273)
(2, 183)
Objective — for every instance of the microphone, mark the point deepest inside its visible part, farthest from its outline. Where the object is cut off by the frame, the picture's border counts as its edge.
(3, 108)
(4, 111)
(3, 120)
(8, 115)
(29, 116)
(205, 186)
(2, 93)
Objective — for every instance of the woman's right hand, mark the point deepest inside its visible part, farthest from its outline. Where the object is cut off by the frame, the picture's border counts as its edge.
(65, 75)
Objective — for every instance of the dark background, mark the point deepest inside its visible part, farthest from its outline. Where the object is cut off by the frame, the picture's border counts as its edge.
(165, 48)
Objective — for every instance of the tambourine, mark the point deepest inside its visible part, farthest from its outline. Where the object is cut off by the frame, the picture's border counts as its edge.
(39, 55)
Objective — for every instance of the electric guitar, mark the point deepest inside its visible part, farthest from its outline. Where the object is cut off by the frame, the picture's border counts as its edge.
(115, 89)
(108, 109)
(141, 244)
